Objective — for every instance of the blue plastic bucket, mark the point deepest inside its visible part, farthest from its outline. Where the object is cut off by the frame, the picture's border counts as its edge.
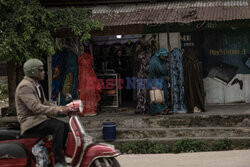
(109, 131)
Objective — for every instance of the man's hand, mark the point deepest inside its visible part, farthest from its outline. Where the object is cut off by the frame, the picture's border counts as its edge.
(65, 109)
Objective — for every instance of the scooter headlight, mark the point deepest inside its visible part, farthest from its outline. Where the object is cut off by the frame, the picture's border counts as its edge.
(81, 106)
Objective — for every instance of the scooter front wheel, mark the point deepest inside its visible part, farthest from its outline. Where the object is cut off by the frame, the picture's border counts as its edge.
(106, 162)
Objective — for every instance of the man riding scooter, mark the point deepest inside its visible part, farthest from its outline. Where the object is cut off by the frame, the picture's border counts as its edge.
(34, 111)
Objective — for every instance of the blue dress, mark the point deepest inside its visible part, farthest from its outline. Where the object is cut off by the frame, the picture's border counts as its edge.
(177, 81)
(58, 71)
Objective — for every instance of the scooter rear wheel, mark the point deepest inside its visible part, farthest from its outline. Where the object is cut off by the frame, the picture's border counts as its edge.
(105, 162)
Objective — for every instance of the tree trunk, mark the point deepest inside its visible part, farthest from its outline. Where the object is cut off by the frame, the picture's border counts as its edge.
(19, 73)
(11, 69)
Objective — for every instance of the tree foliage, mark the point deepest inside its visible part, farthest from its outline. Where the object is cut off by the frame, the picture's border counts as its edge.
(26, 28)
(26, 31)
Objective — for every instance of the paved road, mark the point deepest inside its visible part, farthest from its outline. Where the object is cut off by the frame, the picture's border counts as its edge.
(237, 158)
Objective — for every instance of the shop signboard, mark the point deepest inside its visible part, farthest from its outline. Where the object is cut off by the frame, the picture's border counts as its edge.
(226, 64)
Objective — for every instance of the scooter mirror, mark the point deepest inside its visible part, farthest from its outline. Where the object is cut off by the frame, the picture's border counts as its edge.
(68, 97)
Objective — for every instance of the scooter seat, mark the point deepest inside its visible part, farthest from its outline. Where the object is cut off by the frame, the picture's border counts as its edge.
(10, 134)
(31, 135)
(6, 134)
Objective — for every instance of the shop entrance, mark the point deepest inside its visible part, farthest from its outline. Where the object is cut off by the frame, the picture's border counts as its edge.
(114, 66)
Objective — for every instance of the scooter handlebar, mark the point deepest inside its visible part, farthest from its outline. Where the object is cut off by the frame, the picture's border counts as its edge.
(76, 106)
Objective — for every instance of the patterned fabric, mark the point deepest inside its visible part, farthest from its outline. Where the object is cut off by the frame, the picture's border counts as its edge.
(58, 70)
(143, 59)
(70, 79)
(177, 80)
(158, 70)
(169, 95)
(41, 154)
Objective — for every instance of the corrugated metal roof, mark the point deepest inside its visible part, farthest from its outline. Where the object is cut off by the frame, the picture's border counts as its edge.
(172, 12)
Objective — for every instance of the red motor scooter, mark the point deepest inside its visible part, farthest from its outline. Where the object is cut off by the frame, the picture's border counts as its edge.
(81, 150)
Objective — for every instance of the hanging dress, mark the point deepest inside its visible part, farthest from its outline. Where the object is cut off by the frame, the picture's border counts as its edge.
(177, 81)
(194, 87)
(143, 59)
(70, 79)
(89, 87)
(58, 71)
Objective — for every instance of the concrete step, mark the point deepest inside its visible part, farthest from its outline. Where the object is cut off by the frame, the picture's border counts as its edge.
(140, 133)
(165, 121)
(176, 139)
(170, 121)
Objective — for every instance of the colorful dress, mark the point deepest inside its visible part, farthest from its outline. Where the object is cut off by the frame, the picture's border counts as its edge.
(70, 80)
(143, 59)
(58, 71)
(177, 81)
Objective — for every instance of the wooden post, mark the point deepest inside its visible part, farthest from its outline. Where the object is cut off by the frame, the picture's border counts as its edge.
(169, 50)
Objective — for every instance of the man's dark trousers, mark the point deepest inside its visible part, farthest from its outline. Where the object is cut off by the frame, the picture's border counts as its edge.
(59, 130)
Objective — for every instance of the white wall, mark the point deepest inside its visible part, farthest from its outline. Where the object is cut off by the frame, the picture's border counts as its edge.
(217, 92)
(214, 91)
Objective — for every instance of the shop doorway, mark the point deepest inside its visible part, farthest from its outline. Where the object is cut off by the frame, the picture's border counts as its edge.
(113, 60)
